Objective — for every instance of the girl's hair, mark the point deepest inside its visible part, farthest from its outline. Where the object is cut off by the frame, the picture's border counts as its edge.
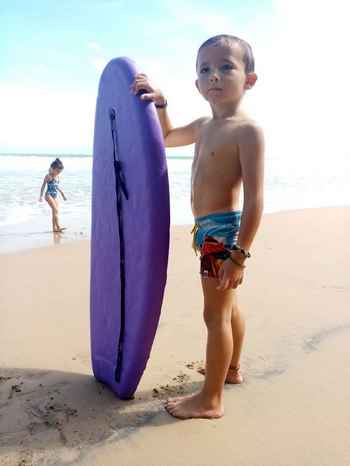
(57, 164)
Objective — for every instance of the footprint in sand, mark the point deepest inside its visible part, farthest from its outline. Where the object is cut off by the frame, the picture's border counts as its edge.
(50, 415)
(231, 378)
(14, 388)
(4, 379)
(195, 365)
(170, 389)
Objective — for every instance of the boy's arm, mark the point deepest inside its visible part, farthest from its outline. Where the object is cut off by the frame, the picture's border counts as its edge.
(251, 154)
(181, 136)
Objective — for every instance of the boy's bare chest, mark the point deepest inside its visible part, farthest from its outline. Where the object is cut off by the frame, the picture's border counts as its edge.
(216, 151)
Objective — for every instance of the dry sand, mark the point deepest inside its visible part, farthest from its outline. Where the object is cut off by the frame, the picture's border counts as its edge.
(292, 410)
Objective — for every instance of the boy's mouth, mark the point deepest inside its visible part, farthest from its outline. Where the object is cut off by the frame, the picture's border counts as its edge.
(215, 89)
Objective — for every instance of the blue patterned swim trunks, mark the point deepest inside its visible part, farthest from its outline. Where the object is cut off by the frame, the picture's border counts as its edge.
(214, 236)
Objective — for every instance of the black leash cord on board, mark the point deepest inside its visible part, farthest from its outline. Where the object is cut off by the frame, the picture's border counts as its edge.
(120, 188)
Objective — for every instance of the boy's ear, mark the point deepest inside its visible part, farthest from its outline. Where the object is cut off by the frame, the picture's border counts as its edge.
(196, 83)
(251, 79)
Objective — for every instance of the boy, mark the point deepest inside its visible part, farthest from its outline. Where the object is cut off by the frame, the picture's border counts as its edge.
(229, 151)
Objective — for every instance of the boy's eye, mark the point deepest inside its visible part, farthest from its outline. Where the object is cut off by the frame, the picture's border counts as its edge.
(226, 67)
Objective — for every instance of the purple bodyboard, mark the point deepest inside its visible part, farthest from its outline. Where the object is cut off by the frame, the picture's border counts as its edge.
(137, 230)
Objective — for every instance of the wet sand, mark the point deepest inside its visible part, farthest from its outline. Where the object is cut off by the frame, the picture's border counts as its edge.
(293, 408)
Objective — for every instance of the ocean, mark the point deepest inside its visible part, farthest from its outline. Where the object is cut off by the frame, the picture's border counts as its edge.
(26, 223)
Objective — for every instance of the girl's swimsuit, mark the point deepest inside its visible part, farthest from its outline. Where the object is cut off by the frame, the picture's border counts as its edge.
(52, 187)
(214, 235)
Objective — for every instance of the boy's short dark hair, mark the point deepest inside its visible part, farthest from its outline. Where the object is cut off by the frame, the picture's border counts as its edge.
(57, 164)
(248, 57)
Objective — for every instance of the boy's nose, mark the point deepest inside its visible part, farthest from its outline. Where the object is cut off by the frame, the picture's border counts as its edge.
(214, 76)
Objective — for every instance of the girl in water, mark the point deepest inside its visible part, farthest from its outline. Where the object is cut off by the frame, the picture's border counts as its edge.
(52, 180)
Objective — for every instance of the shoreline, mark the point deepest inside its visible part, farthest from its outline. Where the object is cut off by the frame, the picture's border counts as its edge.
(86, 237)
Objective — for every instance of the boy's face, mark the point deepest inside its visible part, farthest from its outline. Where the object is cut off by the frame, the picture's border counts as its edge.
(221, 73)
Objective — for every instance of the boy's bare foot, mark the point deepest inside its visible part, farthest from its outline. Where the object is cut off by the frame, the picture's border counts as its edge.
(192, 406)
(233, 375)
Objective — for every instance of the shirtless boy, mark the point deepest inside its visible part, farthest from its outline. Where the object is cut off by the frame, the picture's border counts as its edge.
(229, 153)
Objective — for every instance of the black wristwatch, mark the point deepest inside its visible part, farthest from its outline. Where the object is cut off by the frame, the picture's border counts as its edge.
(161, 105)
(236, 247)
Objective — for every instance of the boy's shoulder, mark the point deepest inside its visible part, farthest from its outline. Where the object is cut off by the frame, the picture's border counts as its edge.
(202, 121)
(249, 130)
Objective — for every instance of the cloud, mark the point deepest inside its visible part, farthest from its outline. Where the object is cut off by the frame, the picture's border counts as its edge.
(43, 119)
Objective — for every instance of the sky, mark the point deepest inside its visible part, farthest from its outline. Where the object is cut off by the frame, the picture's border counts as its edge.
(52, 55)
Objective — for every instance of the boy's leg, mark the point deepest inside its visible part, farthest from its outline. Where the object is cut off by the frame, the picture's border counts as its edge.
(217, 315)
(238, 332)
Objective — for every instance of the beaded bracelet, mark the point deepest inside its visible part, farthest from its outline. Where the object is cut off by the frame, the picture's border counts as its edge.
(237, 263)
(236, 247)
